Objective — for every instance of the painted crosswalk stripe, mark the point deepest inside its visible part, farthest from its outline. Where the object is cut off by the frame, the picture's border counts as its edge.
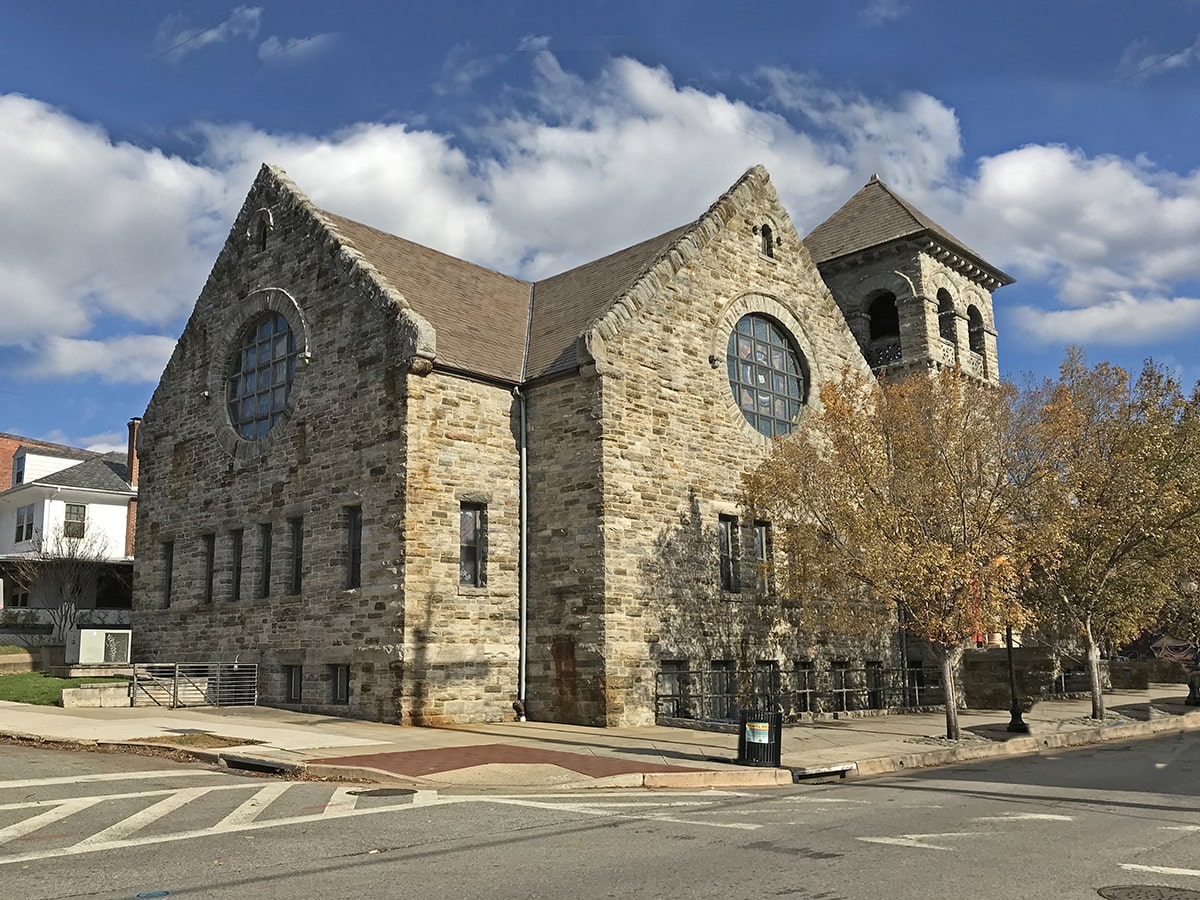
(1161, 870)
(33, 823)
(341, 799)
(140, 820)
(252, 808)
(92, 779)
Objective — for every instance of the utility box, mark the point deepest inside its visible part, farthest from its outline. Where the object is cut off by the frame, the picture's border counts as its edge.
(99, 646)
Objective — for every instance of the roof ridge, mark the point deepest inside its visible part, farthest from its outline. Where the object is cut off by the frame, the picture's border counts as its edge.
(674, 257)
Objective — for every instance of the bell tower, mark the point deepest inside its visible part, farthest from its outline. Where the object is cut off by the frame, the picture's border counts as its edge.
(915, 296)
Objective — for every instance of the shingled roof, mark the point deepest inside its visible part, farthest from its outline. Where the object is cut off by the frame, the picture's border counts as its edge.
(564, 305)
(482, 317)
(102, 473)
(876, 216)
(479, 315)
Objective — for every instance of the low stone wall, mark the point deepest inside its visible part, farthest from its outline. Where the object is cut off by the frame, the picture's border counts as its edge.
(1137, 674)
(32, 659)
(95, 696)
(985, 677)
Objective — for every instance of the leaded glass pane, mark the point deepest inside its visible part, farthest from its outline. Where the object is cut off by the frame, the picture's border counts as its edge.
(766, 374)
(260, 375)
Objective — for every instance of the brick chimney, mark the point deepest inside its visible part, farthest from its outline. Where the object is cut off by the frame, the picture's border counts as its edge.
(131, 464)
(131, 459)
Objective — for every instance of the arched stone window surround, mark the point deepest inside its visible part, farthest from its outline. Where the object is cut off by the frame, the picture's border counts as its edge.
(976, 330)
(261, 224)
(726, 321)
(226, 342)
(769, 238)
(947, 316)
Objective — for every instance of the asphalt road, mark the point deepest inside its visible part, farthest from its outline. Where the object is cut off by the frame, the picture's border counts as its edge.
(1061, 825)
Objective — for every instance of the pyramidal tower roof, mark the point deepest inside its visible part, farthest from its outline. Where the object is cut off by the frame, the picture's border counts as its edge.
(876, 216)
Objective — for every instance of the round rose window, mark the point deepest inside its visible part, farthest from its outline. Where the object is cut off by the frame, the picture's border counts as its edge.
(766, 374)
(260, 375)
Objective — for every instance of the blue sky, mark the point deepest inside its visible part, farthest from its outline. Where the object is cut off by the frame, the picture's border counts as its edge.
(1056, 138)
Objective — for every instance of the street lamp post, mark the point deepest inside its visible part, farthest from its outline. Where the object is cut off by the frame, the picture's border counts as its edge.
(1016, 723)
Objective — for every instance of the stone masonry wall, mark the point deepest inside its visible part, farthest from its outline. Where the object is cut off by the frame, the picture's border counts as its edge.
(567, 609)
(915, 281)
(676, 445)
(341, 444)
(461, 642)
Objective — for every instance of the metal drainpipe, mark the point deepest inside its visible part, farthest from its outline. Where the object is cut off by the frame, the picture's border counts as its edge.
(523, 559)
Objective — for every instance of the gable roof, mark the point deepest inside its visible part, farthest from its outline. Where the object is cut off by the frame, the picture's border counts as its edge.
(479, 315)
(565, 304)
(875, 216)
(102, 473)
(57, 451)
(483, 318)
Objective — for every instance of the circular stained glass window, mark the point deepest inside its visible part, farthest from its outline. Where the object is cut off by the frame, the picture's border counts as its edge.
(260, 376)
(766, 375)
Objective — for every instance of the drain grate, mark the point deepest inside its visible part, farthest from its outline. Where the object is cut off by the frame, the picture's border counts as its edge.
(1147, 892)
(399, 792)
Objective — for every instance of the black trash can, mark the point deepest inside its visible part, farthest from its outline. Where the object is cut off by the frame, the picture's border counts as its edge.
(760, 736)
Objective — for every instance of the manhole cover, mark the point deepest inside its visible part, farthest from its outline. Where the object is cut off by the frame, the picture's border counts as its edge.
(1147, 892)
(399, 792)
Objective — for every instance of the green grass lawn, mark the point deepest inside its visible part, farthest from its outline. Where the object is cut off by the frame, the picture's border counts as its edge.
(34, 687)
(12, 649)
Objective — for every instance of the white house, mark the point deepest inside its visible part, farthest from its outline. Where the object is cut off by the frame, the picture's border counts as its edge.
(67, 537)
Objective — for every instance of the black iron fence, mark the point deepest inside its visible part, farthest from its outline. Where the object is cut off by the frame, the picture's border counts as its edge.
(718, 693)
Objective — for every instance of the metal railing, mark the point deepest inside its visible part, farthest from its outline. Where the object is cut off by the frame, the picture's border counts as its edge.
(716, 694)
(195, 684)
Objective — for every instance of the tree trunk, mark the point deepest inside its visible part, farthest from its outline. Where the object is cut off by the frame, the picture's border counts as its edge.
(950, 657)
(1093, 659)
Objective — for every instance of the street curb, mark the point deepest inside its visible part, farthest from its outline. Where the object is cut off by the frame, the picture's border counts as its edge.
(1021, 746)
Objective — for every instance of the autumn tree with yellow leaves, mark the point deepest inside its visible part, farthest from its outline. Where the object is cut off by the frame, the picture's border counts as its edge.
(903, 502)
(1124, 501)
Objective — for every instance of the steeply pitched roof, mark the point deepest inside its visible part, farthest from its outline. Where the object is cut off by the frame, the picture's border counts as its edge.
(103, 473)
(876, 216)
(482, 317)
(564, 305)
(479, 315)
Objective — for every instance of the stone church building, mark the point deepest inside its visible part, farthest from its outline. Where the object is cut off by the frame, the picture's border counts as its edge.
(416, 490)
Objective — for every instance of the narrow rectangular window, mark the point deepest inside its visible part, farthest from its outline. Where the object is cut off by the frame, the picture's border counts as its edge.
(339, 677)
(727, 541)
(804, 686)
(472, 544)
(722, 689)
(168, 561)
(295, 582)
(24, 524)
(353, 546)
(674, 689)
(210, 554)
(237, 546)
(762, 556)
(264, 560)
(20, 599)
(294, 676)
(18, 470)
(765, 683)
(75, 521)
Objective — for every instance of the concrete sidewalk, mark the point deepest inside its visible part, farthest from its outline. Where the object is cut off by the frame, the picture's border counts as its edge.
(531, 755)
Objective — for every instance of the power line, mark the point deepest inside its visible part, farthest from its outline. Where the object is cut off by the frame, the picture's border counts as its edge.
(1162, 59)
(199, 33)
